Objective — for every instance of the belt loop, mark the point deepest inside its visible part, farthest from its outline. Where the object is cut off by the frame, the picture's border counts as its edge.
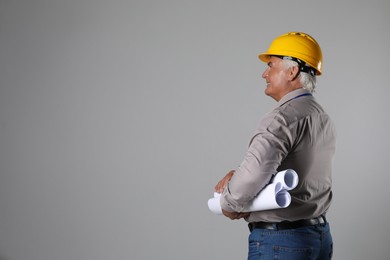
(275, 226)
(250, 226)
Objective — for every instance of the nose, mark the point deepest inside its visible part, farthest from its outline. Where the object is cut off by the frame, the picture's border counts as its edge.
(265, 74)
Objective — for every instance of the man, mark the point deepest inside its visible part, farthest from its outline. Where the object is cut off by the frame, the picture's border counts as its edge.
(297, 134)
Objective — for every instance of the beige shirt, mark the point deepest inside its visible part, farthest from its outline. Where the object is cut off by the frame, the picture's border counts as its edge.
(297, 135)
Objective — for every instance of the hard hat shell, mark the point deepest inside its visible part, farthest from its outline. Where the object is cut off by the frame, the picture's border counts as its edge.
(297, 45)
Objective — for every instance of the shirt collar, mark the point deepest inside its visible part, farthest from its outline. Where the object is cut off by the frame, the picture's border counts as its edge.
(291, 95)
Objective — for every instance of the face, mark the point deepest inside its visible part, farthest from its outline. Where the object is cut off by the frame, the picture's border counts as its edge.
(277, 78)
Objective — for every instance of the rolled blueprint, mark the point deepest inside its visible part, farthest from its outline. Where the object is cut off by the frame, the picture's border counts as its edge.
(274, 196)
(288, 178)
(214, 204)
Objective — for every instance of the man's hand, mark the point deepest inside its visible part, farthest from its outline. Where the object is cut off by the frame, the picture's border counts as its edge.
(223, 182)
(235, 215)
(221, 185)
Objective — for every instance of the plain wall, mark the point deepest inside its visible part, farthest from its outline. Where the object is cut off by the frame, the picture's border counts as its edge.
(117, 118)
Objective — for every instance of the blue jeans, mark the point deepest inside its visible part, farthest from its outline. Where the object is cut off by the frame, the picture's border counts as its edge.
(312, 242)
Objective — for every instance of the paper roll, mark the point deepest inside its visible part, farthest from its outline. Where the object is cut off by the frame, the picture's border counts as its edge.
(215, 205)
(271, 197)
(288, 178)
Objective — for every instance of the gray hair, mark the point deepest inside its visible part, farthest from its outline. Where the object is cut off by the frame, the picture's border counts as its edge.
(308, 81)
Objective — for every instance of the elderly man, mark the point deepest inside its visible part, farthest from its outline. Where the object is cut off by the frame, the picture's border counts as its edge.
(297, 134)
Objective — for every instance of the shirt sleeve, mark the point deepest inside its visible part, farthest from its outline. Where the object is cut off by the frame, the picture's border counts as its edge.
(266, 151)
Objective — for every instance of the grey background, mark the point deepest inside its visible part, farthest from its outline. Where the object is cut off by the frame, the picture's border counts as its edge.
(117, 118)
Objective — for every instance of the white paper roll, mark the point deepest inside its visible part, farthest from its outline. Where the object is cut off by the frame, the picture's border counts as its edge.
(288, 178)
(215, 205)
(267, 199)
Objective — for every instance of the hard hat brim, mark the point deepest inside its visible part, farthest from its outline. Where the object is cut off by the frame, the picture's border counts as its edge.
(264, 57)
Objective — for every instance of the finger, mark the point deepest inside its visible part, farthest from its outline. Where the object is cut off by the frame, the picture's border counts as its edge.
(220, 186)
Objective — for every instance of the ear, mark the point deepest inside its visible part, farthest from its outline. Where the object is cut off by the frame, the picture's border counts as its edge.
(294, 72)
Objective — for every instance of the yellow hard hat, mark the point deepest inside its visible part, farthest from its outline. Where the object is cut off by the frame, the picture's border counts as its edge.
(296, 45)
